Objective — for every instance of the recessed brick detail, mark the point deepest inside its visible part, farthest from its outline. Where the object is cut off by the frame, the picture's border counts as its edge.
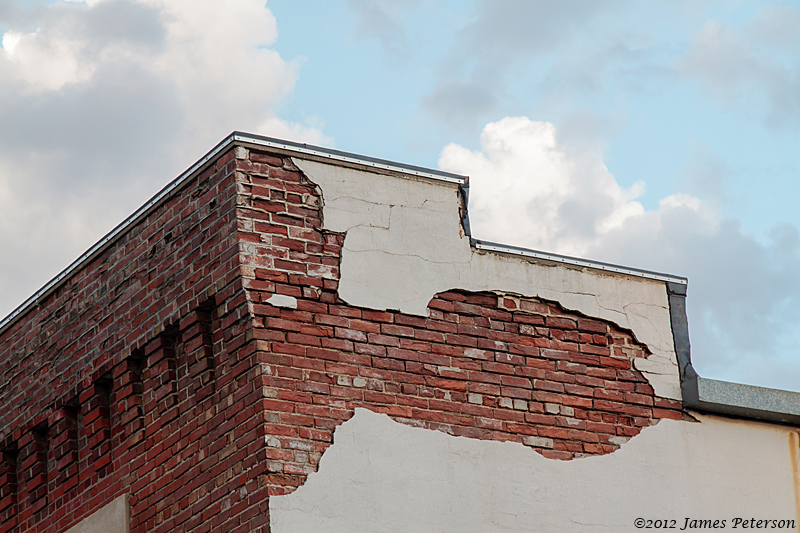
(9, 471)
(160, 369)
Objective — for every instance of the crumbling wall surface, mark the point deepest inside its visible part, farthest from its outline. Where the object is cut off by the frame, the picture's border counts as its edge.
(203, 367)
(405, 243)
(485, 365)
(132, 384)
(570, 363)
(387, 477)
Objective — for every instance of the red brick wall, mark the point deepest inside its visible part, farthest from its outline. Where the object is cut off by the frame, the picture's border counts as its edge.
(160, 371)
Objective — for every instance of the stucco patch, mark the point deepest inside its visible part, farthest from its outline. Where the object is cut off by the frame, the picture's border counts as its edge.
(112, 518)
(281, 300)
(383, 476)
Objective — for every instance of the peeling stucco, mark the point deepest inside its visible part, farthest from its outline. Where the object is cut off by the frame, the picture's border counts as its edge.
(404, 243)
(384, 476)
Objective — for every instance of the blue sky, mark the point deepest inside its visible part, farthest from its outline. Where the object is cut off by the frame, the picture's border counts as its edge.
(661, 135)
(654, 122)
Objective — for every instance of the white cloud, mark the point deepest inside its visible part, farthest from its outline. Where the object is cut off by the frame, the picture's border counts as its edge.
(383, 20)
(512, 55)
(10, 40)
(523, 184)
(529, 189)
(755, 66)
(103, 102)
(44, 63)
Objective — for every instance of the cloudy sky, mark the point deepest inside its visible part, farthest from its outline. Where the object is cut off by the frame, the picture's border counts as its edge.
(660, 135)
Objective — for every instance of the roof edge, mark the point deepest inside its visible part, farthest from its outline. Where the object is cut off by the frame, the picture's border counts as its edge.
(348, 157)
(700, 394)
(744, 401)
(234, 138)
(319, 153)
(576, 261)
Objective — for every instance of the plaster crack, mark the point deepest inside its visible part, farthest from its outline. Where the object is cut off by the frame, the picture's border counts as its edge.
(585, 523)
(363, 250)
(596, 301)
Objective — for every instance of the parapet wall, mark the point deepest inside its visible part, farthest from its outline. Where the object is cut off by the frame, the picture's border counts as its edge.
(201, 372)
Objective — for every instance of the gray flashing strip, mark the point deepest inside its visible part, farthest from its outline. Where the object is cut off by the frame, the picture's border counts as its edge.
(608, 267)
(723, 397)
(745, 401)
(679, 321)
(347, 157)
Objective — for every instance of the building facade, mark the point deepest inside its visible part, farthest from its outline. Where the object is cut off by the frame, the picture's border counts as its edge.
(288, 338)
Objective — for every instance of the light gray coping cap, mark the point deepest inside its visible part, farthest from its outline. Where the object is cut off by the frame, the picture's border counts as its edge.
(576, 261)
(723, 397)
(743, 401)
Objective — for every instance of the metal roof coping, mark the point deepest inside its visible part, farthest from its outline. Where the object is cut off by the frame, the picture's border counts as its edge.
(744, 401)
(347, 157)
(576, 261)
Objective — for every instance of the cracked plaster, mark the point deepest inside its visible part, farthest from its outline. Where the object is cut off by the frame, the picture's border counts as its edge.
(404, 243)
(384, 476)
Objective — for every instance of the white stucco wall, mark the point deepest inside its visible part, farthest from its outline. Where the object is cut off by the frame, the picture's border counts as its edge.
(111, 518)
(405, 243)
(381, 476)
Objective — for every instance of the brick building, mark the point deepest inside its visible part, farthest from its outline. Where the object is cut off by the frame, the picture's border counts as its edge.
(200, 367)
